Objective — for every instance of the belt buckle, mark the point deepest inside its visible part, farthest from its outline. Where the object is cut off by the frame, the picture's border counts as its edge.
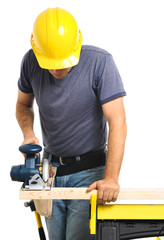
(61, 161)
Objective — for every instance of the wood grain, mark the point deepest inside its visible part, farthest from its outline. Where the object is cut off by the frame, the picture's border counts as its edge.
(57, 193)
(80, 193)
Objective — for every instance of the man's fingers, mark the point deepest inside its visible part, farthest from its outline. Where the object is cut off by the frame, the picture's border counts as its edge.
(24, 155)
(112, 197)
(115, 196)
(105, 196)
(106, 192)
(92, 187)
(100, 196)
(28, 141)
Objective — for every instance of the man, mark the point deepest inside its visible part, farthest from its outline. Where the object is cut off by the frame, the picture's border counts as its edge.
(78, 89)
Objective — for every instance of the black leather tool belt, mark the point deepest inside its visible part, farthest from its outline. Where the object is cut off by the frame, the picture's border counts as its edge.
(69, 165)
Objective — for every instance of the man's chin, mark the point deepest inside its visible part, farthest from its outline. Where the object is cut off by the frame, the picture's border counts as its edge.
(59, 76)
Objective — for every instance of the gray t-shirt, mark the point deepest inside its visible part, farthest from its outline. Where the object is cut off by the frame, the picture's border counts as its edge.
(70, 109)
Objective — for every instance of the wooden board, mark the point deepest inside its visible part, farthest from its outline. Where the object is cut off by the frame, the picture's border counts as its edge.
(80, 193)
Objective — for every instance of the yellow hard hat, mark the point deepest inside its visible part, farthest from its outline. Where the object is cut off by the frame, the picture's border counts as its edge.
(56, 39)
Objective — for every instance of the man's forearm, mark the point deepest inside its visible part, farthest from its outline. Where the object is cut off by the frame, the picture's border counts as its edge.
(25, 118)
(116, 143)
(108, 187)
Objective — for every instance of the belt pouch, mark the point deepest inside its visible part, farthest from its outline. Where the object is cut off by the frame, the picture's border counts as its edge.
(44, 206)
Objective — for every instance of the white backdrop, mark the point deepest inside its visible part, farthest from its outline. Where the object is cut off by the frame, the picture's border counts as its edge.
(132, 31)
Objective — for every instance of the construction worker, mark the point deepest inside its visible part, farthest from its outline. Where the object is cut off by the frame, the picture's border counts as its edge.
(78, 91)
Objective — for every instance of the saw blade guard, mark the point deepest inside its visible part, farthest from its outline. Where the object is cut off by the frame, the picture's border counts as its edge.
(45, 173)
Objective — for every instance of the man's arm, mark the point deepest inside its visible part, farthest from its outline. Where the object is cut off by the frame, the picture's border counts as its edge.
(108, 188)
(25, 116)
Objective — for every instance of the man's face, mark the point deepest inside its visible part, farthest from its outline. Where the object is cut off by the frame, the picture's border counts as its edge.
(59, 73)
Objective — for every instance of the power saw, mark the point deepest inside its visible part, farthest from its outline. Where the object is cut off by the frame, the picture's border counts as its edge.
(35, 172)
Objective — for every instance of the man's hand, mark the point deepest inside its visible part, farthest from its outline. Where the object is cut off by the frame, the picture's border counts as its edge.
(28, 140)
(107, 190)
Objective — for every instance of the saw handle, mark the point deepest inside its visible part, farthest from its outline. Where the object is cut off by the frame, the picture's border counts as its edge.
(30, 149)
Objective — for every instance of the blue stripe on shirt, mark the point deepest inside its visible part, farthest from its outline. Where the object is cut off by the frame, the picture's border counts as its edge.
(121, 94)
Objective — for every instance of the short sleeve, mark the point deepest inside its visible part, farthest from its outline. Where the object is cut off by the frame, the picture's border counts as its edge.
(108, 83)
(24, 80)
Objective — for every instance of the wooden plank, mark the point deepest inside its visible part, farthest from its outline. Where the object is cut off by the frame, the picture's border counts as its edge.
(57, 193)
(80, 193)
(141, 194)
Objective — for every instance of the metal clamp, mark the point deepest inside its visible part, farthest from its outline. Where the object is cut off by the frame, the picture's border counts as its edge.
(61, 161)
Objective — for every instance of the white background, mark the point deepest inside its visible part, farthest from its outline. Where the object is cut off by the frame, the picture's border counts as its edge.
(133, 32)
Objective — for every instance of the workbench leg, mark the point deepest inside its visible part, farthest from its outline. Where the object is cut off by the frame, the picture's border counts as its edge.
(106, 232)
(93, 204)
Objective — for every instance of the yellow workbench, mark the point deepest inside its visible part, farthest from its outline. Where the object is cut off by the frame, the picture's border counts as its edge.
(115, 221)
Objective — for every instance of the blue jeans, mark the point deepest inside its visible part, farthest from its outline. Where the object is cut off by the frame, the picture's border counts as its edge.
(70, 218)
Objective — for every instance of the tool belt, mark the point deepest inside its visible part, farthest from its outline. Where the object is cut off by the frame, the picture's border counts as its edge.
(69, 165)
(65, 166)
